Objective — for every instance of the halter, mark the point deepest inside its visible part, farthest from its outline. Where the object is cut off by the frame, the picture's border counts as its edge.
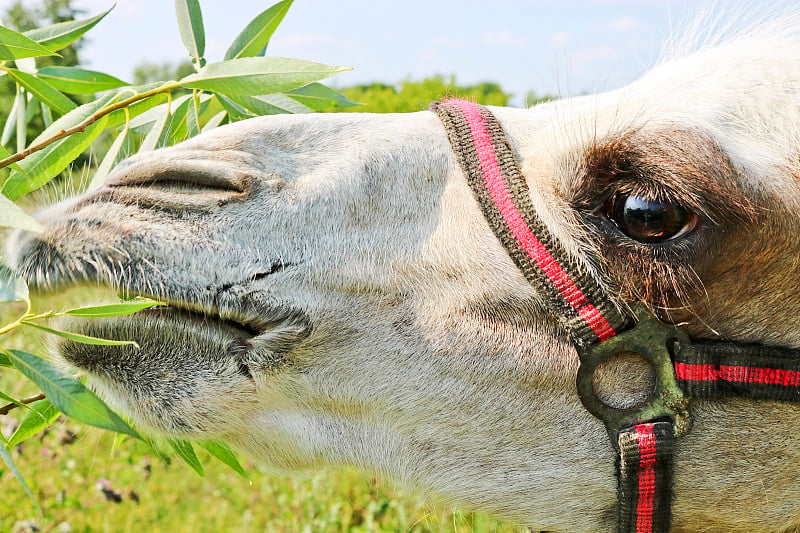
(645, 436)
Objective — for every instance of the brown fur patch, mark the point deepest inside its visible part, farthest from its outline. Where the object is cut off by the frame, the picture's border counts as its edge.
(682, 166)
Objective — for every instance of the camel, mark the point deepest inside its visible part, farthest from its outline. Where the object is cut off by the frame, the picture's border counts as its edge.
(337, 297)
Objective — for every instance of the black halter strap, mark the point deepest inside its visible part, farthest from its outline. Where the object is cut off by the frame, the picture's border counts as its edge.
(644, 437)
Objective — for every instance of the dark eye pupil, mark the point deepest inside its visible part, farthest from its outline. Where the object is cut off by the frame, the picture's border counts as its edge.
(650, 221)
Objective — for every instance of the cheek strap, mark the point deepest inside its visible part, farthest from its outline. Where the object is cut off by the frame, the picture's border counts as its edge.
(588, 315)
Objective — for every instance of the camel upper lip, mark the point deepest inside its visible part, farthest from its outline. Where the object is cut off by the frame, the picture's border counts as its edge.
(247, 329)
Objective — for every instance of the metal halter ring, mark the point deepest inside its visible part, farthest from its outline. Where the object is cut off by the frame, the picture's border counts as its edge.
(653, 340)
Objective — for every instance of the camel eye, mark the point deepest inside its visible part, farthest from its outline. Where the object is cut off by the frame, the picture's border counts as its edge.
(649, 221)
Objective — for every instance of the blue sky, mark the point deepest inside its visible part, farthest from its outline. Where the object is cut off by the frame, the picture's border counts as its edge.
(551, 47)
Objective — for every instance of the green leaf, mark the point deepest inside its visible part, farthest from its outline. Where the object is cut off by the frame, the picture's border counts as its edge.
(186, 451)
(46, 93)
(158, 136)
(74, 80)
(254, 76)
(214, 121)
(254, 37)
(41, 415)
(119, 117)
(319, 97)
(11, 123)
(45, 164)
(120, 309)
(270, 104)
(111, 157)
(143, 123)
(47, 115)
(4, 154)
(232, 109)
(193, 117)
(3, 395)
(77, 337)
(185, 119)
(224, 454)
(190, 23)
(69, 395)
(10, 463)
(12, 287)
(14, 45)
(12, 216)
(22, 118)
(5, 361)
(58, 36)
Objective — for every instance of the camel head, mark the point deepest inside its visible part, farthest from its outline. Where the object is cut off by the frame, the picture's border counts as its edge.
(336, 297)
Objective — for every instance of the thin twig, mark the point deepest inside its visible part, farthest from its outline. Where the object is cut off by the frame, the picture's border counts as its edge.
(91, 119)
(11, 406)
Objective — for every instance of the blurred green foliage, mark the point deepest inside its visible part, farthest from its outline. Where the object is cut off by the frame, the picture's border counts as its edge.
(409, 95)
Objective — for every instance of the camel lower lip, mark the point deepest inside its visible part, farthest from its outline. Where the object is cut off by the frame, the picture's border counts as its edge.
(160, 332)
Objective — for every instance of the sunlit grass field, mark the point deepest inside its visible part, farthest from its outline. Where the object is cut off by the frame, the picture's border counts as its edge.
(84, 481)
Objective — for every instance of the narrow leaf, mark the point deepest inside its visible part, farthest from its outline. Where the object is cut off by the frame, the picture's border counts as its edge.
(11, 123)
(319, 97)
(14, 45)
(60, 35)
(193, 117)
(270, 104)
(11, 466)
(22, 119)
(119, 117)
(12, 287)
(255, 36)
(45, 164)
(185, 119)
(224, 454)
(111, 157)
(6, 361)
(120, 309)
(12, 216)
(177, 126)
(47, 115)
(46, 93)
(254, 76)
(74, 80)
(214, 121)
(190, 23)
(77, 337)
(143, 123)
(232, 109)
(186, 452)
(3, 359)
(158, 136)
(4, 154)
(41, 415)
(67, 394)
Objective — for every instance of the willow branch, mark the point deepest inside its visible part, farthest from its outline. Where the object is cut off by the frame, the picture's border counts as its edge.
(11, 406)
(91, 119)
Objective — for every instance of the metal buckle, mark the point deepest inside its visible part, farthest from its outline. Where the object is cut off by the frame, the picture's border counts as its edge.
(653, 340)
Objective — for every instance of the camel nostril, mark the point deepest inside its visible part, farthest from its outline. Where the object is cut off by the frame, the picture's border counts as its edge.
(244, 370)
(180, 181)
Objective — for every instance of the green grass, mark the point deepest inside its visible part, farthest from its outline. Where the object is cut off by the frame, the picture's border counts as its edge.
(70, 464)
(68, 479)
